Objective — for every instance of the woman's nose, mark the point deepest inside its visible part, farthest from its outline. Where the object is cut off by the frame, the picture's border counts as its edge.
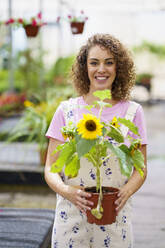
(101, 68)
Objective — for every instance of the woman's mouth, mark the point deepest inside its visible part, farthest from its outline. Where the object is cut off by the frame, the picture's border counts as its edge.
(101, 79)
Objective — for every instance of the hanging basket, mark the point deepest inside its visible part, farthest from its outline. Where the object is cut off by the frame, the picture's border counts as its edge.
(77, 27)
(108, 204)
(31, 31)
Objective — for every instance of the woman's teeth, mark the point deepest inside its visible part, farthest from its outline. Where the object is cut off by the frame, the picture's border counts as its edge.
(101, 78)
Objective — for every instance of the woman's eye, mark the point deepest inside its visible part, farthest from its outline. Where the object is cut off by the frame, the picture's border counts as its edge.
(93, 63)
(109, 63)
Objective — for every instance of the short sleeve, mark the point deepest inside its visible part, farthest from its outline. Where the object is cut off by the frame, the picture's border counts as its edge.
(58, 121)
(139, 121)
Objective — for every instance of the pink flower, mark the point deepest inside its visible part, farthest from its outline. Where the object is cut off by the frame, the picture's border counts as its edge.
(34, 22)
(20, 20)
(69, 16)
(39, 15)
(10, 21)
(82, 12)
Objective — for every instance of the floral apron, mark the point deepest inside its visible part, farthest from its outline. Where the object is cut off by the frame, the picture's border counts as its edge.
(71, 229)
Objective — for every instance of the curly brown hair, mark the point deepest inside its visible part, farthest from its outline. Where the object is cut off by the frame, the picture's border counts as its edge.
(125, 70)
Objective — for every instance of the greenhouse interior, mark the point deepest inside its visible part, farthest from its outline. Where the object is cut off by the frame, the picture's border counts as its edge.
(39, 43)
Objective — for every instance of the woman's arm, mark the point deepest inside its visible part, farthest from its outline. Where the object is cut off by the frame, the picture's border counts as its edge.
(133, 184)
(73, 194)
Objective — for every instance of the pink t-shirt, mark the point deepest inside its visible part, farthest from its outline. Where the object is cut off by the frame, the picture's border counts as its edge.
(118, 110)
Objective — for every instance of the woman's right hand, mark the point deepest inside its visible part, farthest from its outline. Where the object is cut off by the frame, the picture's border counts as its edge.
(78, 197)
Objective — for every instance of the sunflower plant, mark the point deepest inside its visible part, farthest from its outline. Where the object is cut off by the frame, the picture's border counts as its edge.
(89, 139)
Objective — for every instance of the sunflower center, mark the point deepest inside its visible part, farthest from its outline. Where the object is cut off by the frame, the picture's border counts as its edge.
(90, 125)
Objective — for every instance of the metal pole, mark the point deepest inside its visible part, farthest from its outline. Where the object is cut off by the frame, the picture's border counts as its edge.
(41, 71)
(11, 69)
(59, 48)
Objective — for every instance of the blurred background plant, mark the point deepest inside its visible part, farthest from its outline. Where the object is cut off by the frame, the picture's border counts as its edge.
(37, 116)
(11, 104)
(58, 73)
(156, 49)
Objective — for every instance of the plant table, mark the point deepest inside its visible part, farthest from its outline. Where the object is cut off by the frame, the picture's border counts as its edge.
(28, 228)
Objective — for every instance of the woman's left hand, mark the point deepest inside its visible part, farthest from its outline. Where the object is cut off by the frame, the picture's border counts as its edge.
(123, 196)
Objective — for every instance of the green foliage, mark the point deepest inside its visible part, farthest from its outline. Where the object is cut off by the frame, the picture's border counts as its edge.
(4, 81)
(130, 125)
(68, 158)
(143, 76)
(72, 168)
(68, 149)
(115, 134)
(96, 213)
(29, 66)
(120, 154)
(156, 49)
(96, 149)
(59, 72)
(34, 123)
(83, 145)
(102, 94)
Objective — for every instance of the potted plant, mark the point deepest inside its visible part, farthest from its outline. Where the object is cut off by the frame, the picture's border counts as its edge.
(144, 79)
(34, 123)
(31, 26)
(77, 22)
(89, 139)
(11, 103)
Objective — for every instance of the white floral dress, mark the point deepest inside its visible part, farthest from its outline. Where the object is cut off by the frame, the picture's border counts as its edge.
(71, 229)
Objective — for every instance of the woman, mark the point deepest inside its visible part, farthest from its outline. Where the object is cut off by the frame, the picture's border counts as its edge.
(103, 63)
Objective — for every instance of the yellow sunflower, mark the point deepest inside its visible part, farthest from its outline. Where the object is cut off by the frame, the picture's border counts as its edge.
(114, 122)
(89, 127)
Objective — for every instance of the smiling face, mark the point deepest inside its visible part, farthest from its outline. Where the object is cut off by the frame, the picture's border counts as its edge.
(101, 68)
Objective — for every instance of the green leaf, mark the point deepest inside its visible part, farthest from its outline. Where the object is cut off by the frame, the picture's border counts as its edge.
(104, 130)
(65, 153)
(138, 158)
(83, 146)
(124, 167)
(72, 168)
(139, 170)
(102, 94)
(132, 127)
(115, 134)
(89, 107)
(124, 148)
(96, 213)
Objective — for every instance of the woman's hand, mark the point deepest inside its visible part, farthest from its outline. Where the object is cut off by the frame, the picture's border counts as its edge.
(123, 195)
(78, 197)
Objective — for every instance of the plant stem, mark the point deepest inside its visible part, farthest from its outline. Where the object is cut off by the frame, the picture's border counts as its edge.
(100, 112)
(106, 158)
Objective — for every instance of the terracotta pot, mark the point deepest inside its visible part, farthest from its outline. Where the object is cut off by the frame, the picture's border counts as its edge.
(145, 80)
(31, 31)
(108, 204)
(77, 27)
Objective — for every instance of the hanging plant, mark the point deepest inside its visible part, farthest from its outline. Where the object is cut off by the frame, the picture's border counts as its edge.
(77, 22)
(31, 26)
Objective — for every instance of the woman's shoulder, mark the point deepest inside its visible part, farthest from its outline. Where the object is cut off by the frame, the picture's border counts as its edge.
(71, 102)
(129, 103)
